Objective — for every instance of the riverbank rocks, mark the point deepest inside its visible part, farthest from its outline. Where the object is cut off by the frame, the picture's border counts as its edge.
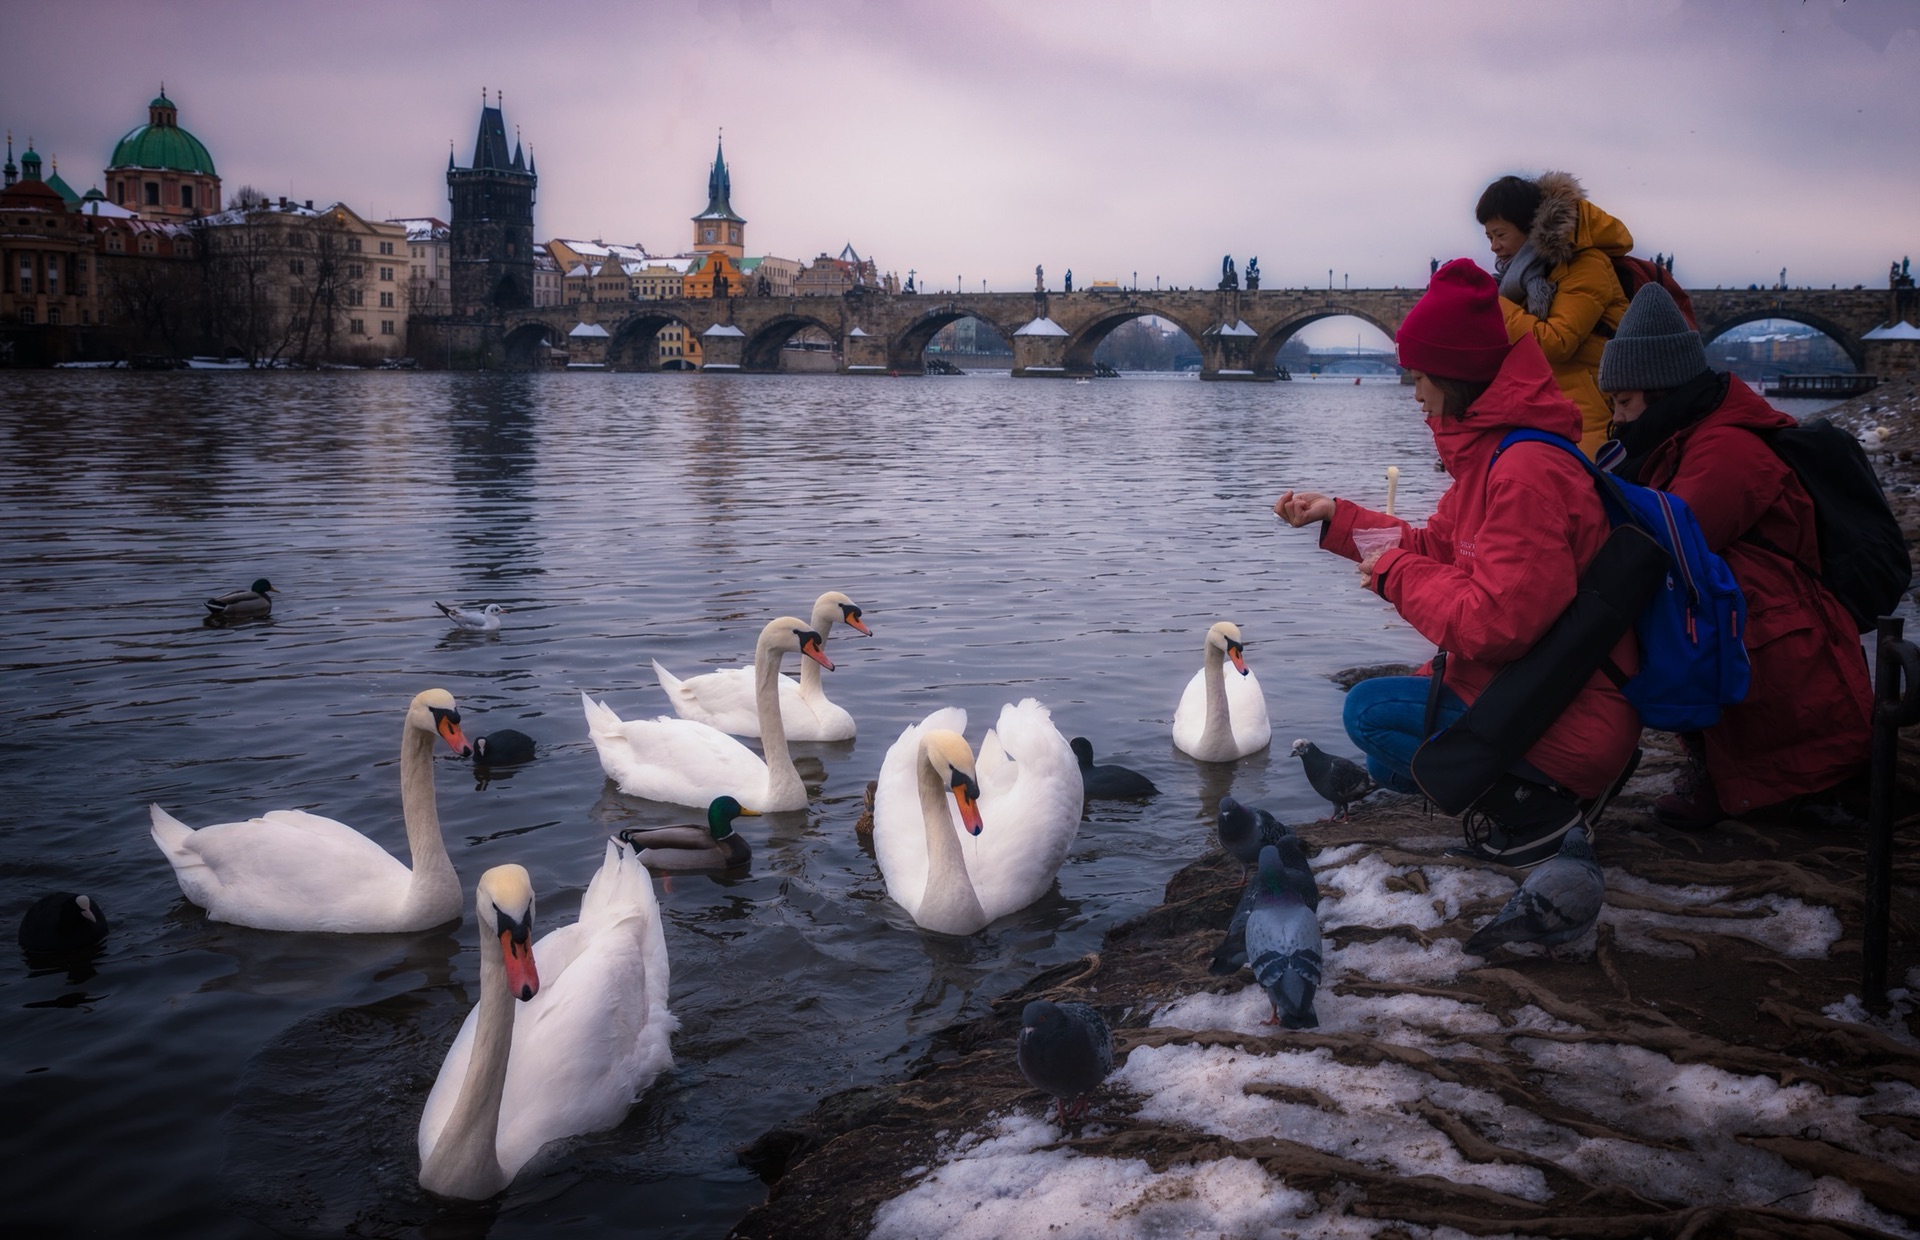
(1701, 1065)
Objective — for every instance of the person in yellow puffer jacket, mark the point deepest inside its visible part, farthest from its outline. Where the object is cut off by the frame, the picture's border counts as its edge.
(1555, 253)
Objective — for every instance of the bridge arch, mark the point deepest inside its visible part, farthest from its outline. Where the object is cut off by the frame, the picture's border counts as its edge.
(523, 344)
(1267, 348)
(762, 350)
(907, 351)
(1712, 330)
(633, 343)
(1082, 343)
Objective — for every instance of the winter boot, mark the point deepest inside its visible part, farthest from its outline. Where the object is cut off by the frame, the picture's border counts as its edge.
(1518, 823)
(1692, 805)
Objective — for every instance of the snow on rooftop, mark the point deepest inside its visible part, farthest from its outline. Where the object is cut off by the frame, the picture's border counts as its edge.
(1236, 328)
(1894, 331)
(1016, 1178)
(587, 330)
(723, 329)
(856, 332)
(1041, 327)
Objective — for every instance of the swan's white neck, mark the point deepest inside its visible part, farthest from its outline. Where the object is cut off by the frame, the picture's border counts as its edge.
(783, 779)
(1216, 738)
(465, 1161)
(949, 905)
(433, 876)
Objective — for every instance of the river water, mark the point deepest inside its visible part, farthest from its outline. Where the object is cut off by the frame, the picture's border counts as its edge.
(1071, 542)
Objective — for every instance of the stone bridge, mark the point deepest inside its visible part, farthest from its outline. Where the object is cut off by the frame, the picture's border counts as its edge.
(1053, 335)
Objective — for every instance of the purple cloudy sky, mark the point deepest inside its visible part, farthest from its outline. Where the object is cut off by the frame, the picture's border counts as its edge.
(976, 138)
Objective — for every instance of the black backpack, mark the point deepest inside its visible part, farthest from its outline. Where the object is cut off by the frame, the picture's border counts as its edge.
(1863, 555)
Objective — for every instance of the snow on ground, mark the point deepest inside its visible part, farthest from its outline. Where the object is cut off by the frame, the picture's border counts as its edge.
(1014, 1181)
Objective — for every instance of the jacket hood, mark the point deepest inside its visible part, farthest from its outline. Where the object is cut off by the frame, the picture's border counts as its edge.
(1744, 407)
(1523, 395)
(1567, 223)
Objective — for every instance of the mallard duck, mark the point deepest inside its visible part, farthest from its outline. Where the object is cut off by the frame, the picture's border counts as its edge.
(238, 604)
(715, 846)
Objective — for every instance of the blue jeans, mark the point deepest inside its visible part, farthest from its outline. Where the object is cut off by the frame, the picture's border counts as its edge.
(1385, 717)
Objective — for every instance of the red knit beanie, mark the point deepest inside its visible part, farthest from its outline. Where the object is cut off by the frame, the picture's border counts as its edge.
(1456, 331)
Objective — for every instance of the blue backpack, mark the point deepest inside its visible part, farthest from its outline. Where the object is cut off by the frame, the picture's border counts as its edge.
(1693, 656)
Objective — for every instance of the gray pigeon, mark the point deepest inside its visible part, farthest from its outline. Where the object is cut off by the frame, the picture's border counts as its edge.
(1339, 780)
(1066, 1050)
(1297, 874)
(1283, 945)
(1245, 830)
(1558, 902)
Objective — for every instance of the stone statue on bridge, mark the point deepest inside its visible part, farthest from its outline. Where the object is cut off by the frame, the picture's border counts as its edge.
(1039, 279)
(1253, 274)
(1229, 279)
(1067, 284)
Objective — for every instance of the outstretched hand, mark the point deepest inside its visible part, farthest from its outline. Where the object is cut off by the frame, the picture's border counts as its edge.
(1298, 508)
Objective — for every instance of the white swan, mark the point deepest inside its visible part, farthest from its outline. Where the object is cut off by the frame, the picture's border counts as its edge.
(589, 1034)
(1021, 811)
(690, 763)
(1219, 719)
(291, 870)
(725, 699)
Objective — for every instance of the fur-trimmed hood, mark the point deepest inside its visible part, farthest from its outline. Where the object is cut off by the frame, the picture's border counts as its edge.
(1567, 223)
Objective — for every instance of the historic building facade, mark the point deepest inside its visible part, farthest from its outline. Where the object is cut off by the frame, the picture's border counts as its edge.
(161, 170)
(429, 265)
(492, 225)
(48, 264)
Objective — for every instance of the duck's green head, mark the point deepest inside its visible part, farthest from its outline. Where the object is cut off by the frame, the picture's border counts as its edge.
(263, 587)
(722, 812)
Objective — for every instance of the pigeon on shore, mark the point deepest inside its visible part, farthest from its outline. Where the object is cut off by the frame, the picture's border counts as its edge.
(242, 604)
(1339, 780)
(485, 620)
(502, 748)
(1283, 946)
(1245, 830)
(1559, 901)
(1108, 782)
(1295, 873)
(62, 922)
(1066, 1050)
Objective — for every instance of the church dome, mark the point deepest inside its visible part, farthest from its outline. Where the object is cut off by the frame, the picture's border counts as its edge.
(161, 143)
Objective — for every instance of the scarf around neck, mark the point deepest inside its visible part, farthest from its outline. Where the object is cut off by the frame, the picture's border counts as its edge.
(1676, 410)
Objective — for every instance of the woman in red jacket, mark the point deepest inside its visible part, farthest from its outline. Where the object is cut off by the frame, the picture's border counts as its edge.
(1493, 567)
(1806, 722)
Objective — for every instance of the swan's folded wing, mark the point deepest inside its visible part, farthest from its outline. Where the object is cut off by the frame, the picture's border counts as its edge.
(722, 699)
(288, 864)
(1029, 828)
(1190, 716)
(1247, 709)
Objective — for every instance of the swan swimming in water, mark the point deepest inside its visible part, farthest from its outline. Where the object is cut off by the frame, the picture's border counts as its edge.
(1220, 719)
(690, 763)
(590, 1031)
(1019, 806)
(291, 870)
(725, 699)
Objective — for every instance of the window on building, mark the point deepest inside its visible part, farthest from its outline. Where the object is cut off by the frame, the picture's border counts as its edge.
(386, 273)
(26, 314)
(81, 265)
(386, 301)
(153, 193)
(53, 277)
(353, 245)
(357, 326)
(186, 197)
(120, 191)
(386, 247)
(86, 316)
(386, 327)
(26, 276)
(53, 316)
(296, 266)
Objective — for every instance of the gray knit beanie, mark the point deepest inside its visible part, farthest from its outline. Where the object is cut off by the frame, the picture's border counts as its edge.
(1653, 348)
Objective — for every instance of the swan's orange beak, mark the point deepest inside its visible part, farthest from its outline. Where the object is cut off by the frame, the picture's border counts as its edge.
(448, 725)
(815, 649)
(1239, 662)
(966, 794)
(852, 616)
(516, 949)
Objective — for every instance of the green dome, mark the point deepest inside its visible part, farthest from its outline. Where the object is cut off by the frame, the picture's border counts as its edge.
(161, 143)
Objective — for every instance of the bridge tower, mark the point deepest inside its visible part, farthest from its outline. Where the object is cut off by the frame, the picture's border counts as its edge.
(492, 222)
(719, 229)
